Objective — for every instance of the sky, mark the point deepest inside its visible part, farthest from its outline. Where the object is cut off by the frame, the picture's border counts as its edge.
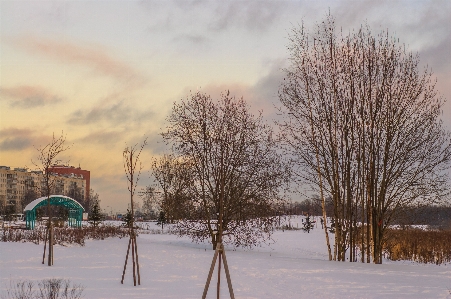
(106, 73)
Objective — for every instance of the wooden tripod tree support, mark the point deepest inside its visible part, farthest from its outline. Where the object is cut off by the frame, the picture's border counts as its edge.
(134, 245)
(219, 252)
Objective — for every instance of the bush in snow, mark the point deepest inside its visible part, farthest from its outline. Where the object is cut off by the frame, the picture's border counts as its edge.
(54, 288)
(65, 235)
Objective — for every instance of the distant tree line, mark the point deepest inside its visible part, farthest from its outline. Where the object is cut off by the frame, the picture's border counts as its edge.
(433, 216)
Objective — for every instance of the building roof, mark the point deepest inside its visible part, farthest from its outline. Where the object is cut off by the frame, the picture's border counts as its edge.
(37, 201)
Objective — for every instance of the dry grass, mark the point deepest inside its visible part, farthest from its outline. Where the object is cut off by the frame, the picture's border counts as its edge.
(423, 246)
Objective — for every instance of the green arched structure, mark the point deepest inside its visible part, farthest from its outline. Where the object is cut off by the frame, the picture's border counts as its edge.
(75, 209)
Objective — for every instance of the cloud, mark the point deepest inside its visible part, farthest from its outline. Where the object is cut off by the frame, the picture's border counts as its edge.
(29, 96)
(223, 15)
(261, 96)
(11, 132)
(116, 114)
(195, 39)
(214, 16)
(251, 15)
(192, 43)
(103, 137)
(436, 54)
(268, 86)
(92, 56)
(15, 139)
(15, 144)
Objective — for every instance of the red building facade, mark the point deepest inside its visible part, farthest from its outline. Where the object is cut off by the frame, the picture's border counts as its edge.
(75, 171)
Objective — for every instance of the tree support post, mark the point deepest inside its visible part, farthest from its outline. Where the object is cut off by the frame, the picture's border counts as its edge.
(45, 244)
(134, 247)
(126, 259)
(137, 262)
(219, 252)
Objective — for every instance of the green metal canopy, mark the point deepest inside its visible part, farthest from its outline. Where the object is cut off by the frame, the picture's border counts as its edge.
(74, 207)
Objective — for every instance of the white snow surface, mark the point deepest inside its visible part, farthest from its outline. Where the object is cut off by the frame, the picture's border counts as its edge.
(295, 266)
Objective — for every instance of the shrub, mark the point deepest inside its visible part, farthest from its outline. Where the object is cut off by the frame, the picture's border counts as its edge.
(57, 288)
(64, 235)
(19, 290)
(54, 288)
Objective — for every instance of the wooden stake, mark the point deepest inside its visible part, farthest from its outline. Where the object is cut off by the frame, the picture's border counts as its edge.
(218, 286)
(226, 268)
(126, 258)
(137, 262)
(221, 253)
(133, 259)
(210, 273)
(45, 244)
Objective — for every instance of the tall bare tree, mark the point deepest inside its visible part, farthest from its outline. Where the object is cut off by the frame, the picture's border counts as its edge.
(48, 156)
(364, 124)
(132, 168)
(230, 154)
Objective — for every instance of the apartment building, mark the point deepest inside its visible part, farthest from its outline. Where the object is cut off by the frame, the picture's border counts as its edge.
(72, 171)
(19, 186)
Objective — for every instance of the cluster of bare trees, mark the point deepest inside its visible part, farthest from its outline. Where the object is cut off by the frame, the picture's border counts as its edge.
(220, 153)
(363, 123)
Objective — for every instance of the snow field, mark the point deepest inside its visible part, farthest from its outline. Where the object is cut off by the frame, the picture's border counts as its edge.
(295, 266)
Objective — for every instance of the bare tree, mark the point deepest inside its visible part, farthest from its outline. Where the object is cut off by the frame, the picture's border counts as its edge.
(151, 201)
(173, 179)
(132, 168)
(88, 203)
(48, 156)
(364, 124)
(230, 154)
(77, 193)
(224, 179)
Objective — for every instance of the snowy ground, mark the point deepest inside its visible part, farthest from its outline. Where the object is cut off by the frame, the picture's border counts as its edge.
(295, 266)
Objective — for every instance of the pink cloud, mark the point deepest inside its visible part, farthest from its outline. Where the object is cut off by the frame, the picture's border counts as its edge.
(29, 96)
(10, 132)
(91, 56)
